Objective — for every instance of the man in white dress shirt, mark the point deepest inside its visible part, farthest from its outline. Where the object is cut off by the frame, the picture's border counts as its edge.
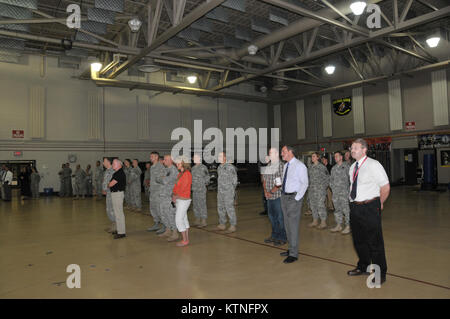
(293, 188)
(369, 189)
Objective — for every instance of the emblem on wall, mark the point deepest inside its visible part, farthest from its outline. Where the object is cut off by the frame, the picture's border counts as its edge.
(342, 106)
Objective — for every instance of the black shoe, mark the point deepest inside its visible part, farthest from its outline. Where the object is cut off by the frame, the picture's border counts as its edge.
(114, 232)
(356, 272)
(269, 240)
(285, 253)
(117, 236)
(290, 259)
(263, 213)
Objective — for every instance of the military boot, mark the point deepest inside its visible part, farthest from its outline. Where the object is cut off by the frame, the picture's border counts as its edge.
(221, 227)
(161, 230)
(203, 223)
(346, 230)
(314, 223)
(230, 230)
(173, 236)
(336, 229)
(166, 233)
(322, 225)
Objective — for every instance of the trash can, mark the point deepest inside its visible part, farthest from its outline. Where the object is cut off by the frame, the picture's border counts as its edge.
(48, 191)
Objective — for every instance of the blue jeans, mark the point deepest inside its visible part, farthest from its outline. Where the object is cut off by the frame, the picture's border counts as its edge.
(276, 219)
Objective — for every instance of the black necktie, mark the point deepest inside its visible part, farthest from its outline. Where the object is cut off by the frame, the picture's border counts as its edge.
(285, 178)
(355, 182)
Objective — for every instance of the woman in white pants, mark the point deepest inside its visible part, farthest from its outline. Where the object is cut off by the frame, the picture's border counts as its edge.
(181, 198)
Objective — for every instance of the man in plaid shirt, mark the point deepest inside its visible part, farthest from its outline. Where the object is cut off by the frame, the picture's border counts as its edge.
(272, 179)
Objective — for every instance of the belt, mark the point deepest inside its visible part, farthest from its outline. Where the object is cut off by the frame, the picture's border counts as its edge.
(294, 193)
(366, 201)
(116, 191)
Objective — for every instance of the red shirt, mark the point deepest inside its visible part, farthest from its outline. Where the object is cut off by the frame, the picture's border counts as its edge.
(183, 185)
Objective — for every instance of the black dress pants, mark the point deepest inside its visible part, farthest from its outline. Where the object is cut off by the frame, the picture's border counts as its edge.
(365, 222)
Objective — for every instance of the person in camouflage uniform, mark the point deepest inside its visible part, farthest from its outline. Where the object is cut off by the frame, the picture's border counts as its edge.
(88, 181)
(80, 182)
(200, 179)
(67, 176)
(109, 172)
(98, 180)
(340, 186)
(167, 182)
(319, 179)
(35, 178)
(157, 169)
(127, 170)
(135, 186)
(226, 191)
(62, 186)
(146, 182)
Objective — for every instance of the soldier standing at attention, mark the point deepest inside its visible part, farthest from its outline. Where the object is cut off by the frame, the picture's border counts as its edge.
(157, 169)
(88, 181)
(135, 186)
(80, 182)
(319, 180)
(67, 175)
(226, 187)
(167, 181)
(340, 186)
(98, 180)
(200, 179)
(107, 176)
(35, 178)
(146, 182)
(127, 170)
(62, 186)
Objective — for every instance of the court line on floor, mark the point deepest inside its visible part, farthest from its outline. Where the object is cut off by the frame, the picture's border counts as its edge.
(318, 257)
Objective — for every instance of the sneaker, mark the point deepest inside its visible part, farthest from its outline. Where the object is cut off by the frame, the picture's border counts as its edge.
(269, 240)
(183, 243)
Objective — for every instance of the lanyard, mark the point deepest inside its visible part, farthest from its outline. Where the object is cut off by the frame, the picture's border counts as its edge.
(355, 174)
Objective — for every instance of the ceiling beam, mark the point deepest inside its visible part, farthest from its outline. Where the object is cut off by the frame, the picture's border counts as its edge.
(193, 16)
(428, 17)
(313, 15)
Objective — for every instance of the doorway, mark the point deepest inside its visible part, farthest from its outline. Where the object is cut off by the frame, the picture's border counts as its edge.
(411, 158)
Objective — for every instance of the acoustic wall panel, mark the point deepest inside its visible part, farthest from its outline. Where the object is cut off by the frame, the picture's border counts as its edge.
(37, 111)
(326, 115)
(358, 110)
(301, 132)
(440, 97)
(95, 115)
(395, 105)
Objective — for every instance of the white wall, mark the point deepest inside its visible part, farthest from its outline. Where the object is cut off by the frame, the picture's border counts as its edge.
(66, 117)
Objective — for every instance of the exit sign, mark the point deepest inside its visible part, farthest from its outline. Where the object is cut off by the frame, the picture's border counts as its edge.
(18, 153)
(18, 134)
(410, 126)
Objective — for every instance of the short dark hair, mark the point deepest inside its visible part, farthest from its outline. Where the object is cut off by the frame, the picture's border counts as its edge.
(338, 152)
(317, 153)
(154, 153)
(363, 143)
(290, 148)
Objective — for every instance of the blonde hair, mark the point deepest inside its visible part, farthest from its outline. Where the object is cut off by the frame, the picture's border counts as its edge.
(185, 162)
